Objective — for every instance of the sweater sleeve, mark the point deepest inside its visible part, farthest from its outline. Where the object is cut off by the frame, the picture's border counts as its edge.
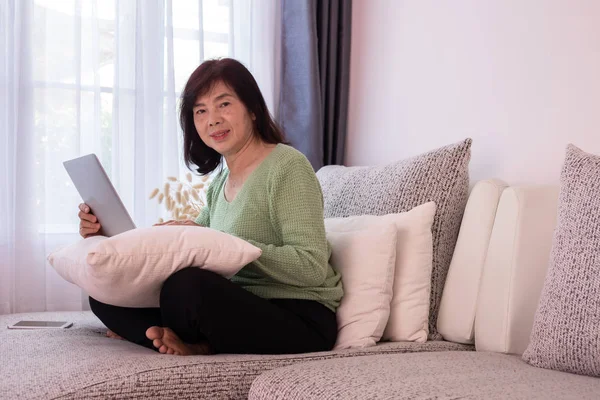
(203, 219)
(296, 210)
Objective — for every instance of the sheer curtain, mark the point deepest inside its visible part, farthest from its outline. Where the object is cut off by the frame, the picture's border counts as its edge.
(101, 76)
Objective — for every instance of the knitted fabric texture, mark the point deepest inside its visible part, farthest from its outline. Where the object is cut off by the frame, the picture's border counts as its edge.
(82, 363)
(280, 210)
(445, 375)
(566, 330)
(441, 176)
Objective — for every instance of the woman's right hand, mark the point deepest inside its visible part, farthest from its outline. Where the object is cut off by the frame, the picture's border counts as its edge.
(88, 223)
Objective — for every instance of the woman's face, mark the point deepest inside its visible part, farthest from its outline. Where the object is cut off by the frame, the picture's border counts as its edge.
(222, 120)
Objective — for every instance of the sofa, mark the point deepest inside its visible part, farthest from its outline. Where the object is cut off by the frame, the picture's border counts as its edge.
(490, 300)
(485, 318)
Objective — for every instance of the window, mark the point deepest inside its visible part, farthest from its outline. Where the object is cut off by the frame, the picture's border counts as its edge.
(81, 50)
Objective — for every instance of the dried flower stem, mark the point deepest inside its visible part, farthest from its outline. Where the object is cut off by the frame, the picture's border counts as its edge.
(183, 199)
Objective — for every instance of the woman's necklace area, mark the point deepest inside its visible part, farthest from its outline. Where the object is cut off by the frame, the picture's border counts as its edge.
(234, 183)
(238, 181)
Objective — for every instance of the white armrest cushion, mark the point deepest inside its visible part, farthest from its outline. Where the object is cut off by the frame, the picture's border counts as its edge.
(456, 318)
(515, 268)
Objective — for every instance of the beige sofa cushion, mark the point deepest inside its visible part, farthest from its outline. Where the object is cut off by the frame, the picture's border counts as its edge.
(82, 363)
(440, 176)
(411, 273)
(515, 267)
(445, 375)
(456, 319)
(566, 332)
(365, 256)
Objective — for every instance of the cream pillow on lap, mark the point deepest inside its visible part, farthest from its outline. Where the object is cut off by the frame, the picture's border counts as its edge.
(410, 304)
(128, 270)
(365, 258)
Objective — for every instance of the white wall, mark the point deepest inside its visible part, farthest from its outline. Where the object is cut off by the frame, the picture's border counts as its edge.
(521, 77)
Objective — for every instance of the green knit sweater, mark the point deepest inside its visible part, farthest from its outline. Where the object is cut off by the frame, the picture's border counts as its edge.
(280, 210)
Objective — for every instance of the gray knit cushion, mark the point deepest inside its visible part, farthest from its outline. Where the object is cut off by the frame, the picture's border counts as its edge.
(443, 375)
(441, 176)
(82, 363)
(566, 331)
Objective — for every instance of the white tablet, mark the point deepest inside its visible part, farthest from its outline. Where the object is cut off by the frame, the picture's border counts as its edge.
(98, 192)
(41, 325)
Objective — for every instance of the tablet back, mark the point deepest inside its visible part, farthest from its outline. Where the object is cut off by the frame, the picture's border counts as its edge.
(97, 191)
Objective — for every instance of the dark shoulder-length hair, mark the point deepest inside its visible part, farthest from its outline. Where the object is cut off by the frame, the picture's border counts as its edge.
(197, 155)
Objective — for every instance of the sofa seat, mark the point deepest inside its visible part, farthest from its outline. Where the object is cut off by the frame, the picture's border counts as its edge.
(82, 363)
(441, 375)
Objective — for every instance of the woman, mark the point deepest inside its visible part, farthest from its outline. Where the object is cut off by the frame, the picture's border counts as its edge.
(268, 195)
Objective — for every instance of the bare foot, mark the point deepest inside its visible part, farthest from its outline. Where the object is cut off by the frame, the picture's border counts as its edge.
(167, 342)
(113, 335)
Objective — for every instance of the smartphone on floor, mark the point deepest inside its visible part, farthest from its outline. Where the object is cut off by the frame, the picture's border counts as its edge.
(40, 325)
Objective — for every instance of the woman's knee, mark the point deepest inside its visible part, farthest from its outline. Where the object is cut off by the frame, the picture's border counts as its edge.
(191, 280)
(183, 299)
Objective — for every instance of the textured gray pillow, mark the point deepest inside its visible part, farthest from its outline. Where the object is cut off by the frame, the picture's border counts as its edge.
(441, 176)
(566, 330)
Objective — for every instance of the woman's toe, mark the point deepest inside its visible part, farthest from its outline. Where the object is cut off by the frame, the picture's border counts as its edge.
(163, 349)
(154, 332)
(170, 351)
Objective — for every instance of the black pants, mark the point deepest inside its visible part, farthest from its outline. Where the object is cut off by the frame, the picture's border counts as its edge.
(199, 305)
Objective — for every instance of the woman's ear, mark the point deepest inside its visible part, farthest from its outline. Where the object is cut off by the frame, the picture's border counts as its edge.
(253, 116)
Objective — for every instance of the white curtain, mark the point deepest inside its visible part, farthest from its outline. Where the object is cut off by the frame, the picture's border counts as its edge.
(101, 76)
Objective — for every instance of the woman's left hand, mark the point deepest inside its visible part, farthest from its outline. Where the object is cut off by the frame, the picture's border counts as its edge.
(187, 222)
